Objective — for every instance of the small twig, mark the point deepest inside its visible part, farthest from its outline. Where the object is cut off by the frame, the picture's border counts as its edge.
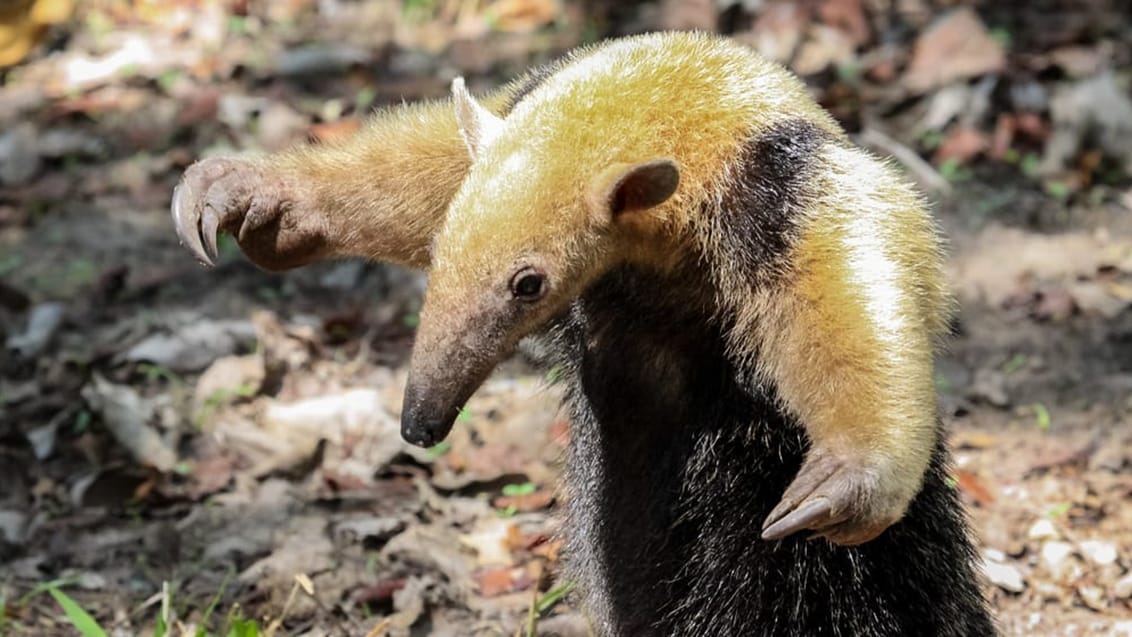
(379, 627)
(277, 623)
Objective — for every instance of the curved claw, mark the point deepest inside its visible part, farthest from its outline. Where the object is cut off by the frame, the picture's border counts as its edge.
(802, 518)
(187, 221)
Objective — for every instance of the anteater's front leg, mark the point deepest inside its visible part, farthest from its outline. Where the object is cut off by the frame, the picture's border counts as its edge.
(847, 339)
(381, 194)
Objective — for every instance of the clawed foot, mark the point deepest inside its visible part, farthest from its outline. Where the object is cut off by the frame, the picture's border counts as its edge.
(259, 209)
(846, 503)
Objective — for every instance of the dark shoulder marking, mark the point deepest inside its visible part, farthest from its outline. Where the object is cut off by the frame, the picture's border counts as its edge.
(760, 210)
(531, 80)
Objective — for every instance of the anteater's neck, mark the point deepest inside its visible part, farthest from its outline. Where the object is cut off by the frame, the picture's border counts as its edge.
(673, 468)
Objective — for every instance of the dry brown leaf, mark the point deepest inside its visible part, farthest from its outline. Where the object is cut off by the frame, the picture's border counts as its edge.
(847, 16)
(973, 439)
(523, 15)
(778, 30)
(328, 132)
(962, 144)
(824, 47)
(493, 582)
(527, 502)
(1003, 137)
(958, 46)
(973, 486)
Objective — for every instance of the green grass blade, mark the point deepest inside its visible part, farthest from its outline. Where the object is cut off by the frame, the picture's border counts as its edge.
(203, 631)
(79, 617)
(244, 628)
(553, 596)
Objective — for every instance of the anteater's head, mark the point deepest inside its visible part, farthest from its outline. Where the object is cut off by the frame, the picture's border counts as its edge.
(536, 220)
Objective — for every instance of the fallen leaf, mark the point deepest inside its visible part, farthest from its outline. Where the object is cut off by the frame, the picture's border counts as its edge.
(847, 16)
(961, 144)
(970, 484)
(193, 346)
(491, 539)
(823, 47)
(1003, 138)
(527, 502)
(13, 526)
(973, 439)
(128, 417)
(43, 322)
(956, 47)
(523, 15)
(1106, 300)
(493, 582)
(778, 30)
(329, 132)
(1097, 109)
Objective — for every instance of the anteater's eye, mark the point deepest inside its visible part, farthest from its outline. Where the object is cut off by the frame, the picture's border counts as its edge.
(528, 284)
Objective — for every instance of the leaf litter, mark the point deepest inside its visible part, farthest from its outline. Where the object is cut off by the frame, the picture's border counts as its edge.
(232, 436)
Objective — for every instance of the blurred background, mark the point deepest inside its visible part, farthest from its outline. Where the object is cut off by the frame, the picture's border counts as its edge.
(188, 451)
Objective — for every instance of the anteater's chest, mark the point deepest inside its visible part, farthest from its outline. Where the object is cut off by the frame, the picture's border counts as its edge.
(676, 459)
(648, 354)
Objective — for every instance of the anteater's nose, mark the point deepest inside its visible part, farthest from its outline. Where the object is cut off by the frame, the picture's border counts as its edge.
(422, 427)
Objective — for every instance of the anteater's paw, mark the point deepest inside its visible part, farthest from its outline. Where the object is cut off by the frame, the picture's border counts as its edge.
(845, 503)
(259, 209)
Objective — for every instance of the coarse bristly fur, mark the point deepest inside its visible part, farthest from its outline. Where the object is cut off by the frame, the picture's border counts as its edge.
(744, 304)
(760, 333)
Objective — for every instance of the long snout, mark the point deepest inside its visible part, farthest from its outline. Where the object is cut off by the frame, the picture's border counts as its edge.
(445, 370)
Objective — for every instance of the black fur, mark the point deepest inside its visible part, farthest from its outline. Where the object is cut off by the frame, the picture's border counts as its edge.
(759, 214)
(533, 79)
(673, 467)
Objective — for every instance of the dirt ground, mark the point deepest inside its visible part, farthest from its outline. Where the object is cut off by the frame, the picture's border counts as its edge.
(175, 438)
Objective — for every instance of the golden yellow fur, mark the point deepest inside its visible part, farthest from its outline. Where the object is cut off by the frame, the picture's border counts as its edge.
(845, 332)
(390, 185)
(593, 115)
(849, 337)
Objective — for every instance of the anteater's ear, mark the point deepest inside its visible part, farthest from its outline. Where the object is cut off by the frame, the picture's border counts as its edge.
(478, 126)
(627, 188)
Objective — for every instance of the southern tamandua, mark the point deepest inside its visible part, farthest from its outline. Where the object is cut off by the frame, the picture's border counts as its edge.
(738, 295)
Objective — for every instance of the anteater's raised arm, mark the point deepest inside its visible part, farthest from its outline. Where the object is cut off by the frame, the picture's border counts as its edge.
(381, 194)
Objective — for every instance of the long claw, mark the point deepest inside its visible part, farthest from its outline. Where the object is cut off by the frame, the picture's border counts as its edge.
(187, 223)
(813, 475)
(209, 227)
(802, 518)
